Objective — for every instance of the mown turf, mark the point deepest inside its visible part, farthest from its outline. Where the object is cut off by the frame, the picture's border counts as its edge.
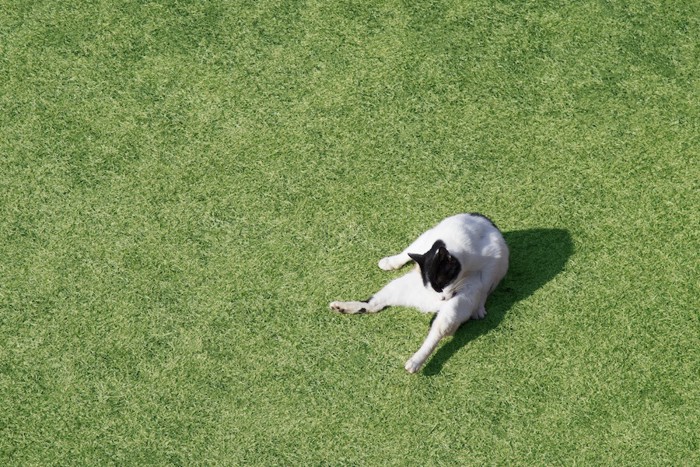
(184, 186)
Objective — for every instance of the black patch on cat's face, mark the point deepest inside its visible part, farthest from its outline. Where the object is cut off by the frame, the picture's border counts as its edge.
(437, 267)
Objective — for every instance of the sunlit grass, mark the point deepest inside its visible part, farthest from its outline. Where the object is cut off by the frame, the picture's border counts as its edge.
(184, 187)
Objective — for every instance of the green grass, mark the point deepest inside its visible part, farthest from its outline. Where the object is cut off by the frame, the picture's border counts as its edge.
(184, 186)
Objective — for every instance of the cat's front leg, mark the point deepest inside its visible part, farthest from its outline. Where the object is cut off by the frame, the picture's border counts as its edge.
(452, 314)
(479, 313)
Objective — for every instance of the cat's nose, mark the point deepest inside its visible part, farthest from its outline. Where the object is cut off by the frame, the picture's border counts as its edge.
(447, 296)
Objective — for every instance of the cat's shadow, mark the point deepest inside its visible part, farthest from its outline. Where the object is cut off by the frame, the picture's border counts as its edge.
(536, 256)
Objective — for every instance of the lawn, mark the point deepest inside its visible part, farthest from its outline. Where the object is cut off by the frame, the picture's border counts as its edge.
(186, 185)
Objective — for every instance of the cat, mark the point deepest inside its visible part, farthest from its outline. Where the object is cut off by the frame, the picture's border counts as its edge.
(460, 262)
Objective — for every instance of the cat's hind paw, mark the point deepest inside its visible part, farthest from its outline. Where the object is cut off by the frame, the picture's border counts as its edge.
(390, 263)
(385, 264)
(350, 308)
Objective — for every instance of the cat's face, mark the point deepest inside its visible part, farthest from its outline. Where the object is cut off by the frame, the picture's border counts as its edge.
(438, 268)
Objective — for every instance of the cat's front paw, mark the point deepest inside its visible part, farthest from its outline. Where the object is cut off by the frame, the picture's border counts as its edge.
(479, 314)
(413, 365)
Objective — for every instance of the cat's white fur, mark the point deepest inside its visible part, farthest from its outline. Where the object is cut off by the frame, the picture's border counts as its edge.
(483, 256)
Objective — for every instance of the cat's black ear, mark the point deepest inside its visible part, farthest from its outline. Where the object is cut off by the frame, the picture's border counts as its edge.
(420, 259)
(438, 244)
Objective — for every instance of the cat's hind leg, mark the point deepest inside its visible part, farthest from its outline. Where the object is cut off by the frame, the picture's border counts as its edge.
(353, 307)
(407, 290)
(390, 263)
(420, 245)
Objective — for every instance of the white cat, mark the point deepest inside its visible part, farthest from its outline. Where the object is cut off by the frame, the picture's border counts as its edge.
(460, 261)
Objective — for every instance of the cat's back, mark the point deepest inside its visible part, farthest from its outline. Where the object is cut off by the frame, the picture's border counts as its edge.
(468, 223)
(472, 233)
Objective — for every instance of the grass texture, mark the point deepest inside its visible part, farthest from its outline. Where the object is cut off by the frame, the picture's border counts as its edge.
(185, 185)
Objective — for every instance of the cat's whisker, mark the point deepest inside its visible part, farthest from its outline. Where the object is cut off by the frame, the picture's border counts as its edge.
(459, 284)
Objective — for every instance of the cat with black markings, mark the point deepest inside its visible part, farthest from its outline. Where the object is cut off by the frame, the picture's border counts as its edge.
(460, 262)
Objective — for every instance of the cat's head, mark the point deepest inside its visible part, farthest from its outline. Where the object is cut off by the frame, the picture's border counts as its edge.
(438, 268)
